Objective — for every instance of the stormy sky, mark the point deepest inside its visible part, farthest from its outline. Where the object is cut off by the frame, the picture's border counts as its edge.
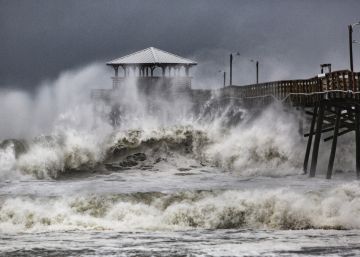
(41, 38)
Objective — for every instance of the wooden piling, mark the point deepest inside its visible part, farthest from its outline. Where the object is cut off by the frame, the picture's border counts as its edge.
(309, 143)
(315, 151)
(333, 145)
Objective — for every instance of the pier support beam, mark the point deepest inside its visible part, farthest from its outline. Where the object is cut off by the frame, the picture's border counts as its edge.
(333, 145)
(309, 143)
(317, 138)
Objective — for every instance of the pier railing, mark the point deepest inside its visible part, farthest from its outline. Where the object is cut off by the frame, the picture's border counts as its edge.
(299, 92)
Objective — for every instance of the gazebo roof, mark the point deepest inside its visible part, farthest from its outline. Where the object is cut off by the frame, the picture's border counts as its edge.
(149, 56)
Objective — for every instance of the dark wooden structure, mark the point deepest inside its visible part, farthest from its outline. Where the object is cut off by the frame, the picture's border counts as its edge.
(302, 92)
(334, 101)
(336, 114)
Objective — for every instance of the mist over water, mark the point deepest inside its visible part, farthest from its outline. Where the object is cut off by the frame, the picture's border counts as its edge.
(25, 115)
(64, 168)
(61, 132)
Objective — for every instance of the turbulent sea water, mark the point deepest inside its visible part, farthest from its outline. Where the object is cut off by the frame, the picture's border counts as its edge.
(170, 183)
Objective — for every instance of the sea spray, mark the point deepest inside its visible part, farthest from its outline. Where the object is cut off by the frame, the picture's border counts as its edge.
(245, 151)
(25, 115)
(48, 156)
(247, 148)
(71, 150)
(268, 145)
(7, 161)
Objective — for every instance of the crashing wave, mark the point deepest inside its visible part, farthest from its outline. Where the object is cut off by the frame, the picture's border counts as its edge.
(269, 209)
(247, 150)
(266, 145)
(52, 156)
(49, 156)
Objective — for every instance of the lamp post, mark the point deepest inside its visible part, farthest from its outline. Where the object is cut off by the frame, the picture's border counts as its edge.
(350, 28)
(257, 71)
(224, 77)
(231, 61)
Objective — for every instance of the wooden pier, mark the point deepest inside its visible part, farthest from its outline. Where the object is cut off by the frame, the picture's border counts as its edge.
(303, 93)
(332, 99)
(338, 116)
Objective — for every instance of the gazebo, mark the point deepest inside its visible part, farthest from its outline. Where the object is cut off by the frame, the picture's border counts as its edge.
(152, 66)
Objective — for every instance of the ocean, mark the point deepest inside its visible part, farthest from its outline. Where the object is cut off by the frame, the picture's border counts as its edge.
(174, 183)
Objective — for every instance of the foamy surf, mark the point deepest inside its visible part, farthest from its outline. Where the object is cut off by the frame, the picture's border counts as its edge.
(280, 208)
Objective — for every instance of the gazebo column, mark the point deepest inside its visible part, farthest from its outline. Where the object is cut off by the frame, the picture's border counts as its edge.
(152, 71)
(187, 70)
(147, 71)
(163, 70)
(116, 77)
(142, 71)
(116, 68)
(124, 68)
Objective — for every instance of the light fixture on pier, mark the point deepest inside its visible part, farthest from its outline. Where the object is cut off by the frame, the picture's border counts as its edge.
(257, 70)
(351, 41)
(224, 76)
(231, 61)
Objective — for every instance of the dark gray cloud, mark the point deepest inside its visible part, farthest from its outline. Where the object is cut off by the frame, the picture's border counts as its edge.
(41, 38)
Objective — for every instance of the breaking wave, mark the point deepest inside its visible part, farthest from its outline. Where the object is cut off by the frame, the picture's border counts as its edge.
(249, 149)
(51, 156)
(268, 145)
(275, 209)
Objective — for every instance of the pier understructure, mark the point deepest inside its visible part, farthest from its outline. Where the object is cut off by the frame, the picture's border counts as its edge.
(332, 100)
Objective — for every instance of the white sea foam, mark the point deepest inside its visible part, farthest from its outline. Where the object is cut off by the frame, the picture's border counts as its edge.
(270, 145)
(7, 162)
(247, 150)
(49, 156)
(272, 208)
(25, 115)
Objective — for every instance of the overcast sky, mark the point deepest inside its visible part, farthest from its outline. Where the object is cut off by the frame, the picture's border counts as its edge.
(41, 38)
